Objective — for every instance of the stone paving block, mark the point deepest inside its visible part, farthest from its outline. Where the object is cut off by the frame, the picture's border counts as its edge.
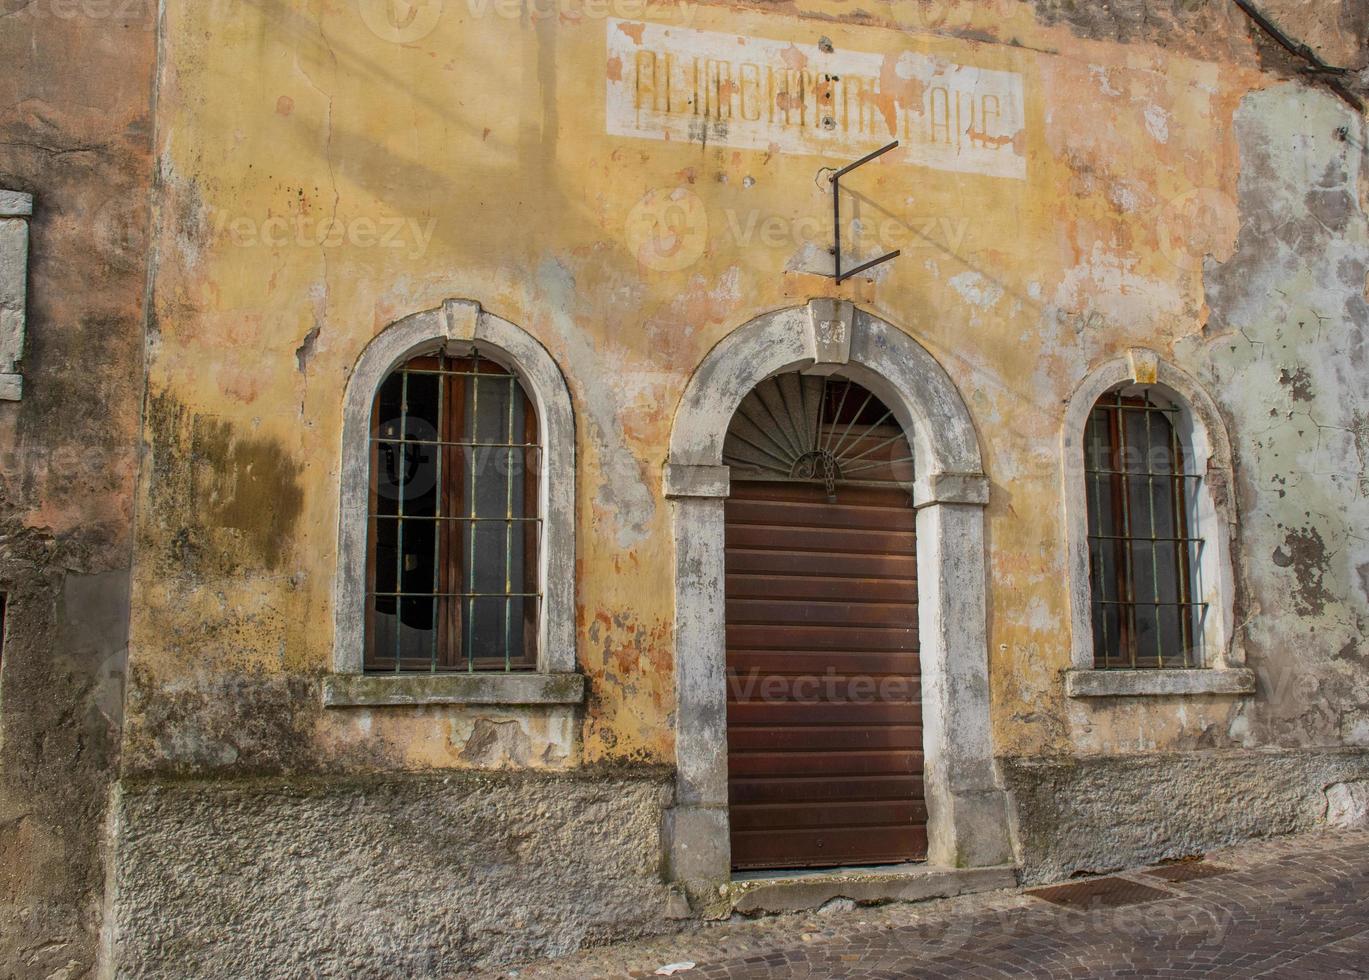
(1283, 908)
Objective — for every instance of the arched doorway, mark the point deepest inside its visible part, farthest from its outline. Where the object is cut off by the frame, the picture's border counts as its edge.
(967, 817)
(824, 707)
(967, 808)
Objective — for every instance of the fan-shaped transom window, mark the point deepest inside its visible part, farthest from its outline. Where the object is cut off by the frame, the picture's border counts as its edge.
(454, 528)
(817, 428)
(1144, 554)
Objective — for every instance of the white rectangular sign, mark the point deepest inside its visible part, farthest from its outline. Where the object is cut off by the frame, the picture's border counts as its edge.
(674, 83)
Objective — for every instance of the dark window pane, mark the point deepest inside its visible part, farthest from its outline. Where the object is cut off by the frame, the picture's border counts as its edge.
(386, 418)
(384, 547)
(380, 633)
(419, 566)
(405, 474)
(422, 407)
(416, 623)
(453, 529)
(485, 628)
(1144, 616)
(386, 466)
(1140, 559)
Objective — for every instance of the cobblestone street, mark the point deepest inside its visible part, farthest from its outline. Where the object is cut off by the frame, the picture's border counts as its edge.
(1293, 907)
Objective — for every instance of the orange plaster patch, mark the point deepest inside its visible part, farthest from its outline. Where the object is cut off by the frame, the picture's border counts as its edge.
(976, 136)
(895, 90)
(794, 58)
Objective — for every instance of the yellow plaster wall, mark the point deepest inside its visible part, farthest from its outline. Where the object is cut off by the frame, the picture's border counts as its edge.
(488, 133)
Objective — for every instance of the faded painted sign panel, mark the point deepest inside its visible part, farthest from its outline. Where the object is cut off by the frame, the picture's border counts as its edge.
(673, 83)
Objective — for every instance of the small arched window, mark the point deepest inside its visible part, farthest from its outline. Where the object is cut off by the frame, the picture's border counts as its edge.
(1149, 513)
(1145, 551)
(453, 533)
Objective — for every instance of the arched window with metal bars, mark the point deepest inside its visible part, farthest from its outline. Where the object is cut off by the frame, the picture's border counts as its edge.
(453, 525)
(1144, 550)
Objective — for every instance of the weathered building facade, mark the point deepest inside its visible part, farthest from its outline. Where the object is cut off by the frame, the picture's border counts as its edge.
(76, 175)
(549, 290)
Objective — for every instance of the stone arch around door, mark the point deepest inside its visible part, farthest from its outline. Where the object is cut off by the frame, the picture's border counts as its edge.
(967, 807)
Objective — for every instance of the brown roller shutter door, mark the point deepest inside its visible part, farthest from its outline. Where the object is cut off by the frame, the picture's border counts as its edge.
(824, 708)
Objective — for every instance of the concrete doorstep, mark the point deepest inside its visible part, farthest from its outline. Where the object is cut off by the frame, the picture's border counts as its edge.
(802, 891)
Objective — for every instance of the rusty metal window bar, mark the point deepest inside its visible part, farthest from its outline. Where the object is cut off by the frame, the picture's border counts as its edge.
(1143, 557)
(454, 531)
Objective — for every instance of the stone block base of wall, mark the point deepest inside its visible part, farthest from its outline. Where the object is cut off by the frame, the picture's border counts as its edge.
(401, 875)
(1102, 813)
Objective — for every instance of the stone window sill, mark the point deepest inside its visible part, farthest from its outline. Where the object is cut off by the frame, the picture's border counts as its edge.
(378, 690)
(1158, 683)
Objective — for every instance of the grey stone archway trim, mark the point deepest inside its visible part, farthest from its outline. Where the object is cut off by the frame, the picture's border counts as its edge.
(16, 209)
(967, 808)
(1212, 513)
(520, 352)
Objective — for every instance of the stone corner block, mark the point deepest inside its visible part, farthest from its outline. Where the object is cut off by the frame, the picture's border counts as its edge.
(461, 316)
(11, 387)
(951, 488)
(688, 480)
(15, 204)
(698, 847)
(976, 835)
(830, 321)
(1144, 365)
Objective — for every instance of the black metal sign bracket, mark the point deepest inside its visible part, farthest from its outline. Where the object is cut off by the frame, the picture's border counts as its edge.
(836, 217)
